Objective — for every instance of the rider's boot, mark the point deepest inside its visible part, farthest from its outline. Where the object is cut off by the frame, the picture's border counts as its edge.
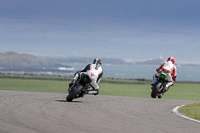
(93, 92)
(169, 84)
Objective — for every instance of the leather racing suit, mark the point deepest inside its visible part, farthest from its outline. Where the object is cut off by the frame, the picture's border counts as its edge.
(95, 75)
(170, 69)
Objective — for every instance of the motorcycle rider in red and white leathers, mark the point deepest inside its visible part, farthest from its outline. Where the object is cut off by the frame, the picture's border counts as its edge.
(95, 72)
(170, 69)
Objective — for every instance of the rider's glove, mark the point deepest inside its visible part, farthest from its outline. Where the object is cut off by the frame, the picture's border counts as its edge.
(174, 78)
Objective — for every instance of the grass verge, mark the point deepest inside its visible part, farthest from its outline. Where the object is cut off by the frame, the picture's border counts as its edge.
(191, 110)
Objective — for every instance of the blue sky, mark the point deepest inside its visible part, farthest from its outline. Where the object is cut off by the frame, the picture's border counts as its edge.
(128, 29)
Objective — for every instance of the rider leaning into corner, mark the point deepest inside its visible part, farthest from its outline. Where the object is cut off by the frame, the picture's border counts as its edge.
(170, 69)
(95, 72)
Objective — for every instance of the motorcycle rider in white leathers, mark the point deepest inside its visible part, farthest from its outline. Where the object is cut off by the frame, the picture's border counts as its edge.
(170, 69)
(95, 72)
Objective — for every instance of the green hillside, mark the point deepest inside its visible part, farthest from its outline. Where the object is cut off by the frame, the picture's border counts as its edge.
(13, 59)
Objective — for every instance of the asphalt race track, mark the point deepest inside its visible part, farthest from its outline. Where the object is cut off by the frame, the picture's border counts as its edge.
(32, 112)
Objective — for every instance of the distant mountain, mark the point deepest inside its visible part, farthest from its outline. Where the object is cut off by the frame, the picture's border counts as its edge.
(150, 62)
(15, 62)
(13, 59)
(85, 60)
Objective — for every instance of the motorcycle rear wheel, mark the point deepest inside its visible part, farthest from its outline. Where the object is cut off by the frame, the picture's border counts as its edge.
(74, 91)
(68, 98)
(155, 89)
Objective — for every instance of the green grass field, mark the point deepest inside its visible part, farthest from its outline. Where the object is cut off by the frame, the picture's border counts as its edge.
(184, 91)
(191, 110)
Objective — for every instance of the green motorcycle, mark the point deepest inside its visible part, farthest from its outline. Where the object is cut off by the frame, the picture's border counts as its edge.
(159, 86)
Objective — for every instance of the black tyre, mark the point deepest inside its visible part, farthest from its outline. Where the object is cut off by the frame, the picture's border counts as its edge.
(73, 92)
(68, 98)
(155, 89)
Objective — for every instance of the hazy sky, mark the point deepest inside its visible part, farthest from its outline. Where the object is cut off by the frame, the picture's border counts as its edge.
(128, 29)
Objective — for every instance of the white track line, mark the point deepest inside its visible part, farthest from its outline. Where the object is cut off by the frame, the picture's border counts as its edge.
(175, 110)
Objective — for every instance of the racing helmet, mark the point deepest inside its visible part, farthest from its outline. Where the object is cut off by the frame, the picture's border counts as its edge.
(98, 63)
(171, 59)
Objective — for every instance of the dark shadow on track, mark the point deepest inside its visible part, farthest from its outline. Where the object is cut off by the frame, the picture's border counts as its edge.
(69, 102)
